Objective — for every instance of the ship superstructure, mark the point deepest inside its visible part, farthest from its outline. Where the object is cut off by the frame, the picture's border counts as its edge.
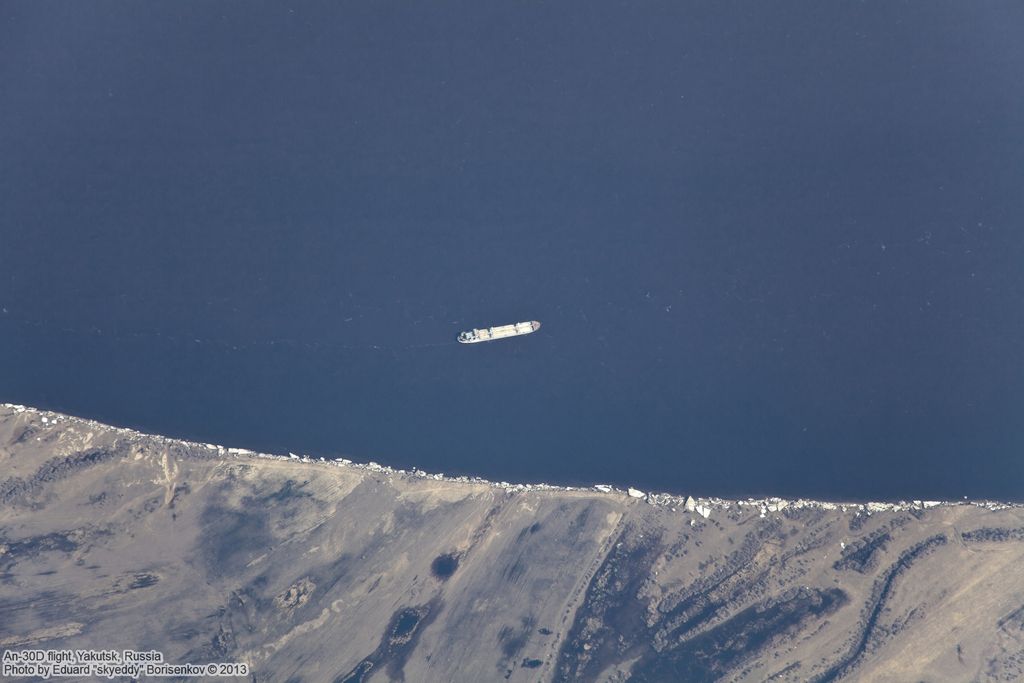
(499, 332)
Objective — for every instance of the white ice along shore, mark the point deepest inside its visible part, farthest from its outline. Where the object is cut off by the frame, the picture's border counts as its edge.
(701, 506)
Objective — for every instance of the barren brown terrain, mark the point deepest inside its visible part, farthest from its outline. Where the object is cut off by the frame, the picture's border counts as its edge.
(311, 570)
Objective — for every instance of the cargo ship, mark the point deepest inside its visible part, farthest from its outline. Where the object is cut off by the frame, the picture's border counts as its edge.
(499, 332)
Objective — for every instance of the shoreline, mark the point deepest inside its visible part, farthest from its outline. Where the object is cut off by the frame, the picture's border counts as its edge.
(698, 505)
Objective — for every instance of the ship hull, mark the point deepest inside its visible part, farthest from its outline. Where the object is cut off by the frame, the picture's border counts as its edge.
(499, 332)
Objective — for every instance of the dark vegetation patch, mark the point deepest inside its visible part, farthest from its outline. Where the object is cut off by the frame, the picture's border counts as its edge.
(240, 614)
(339, 569)
(180, 491)
(880, 594)
(33, 546)
(993, 535)
(712, 653)
(296, 595)
(444, 566)
(862, 556)
(513, 639)
(143, 580)
(289, 490)
(692, 612)
(612, 619)
(243, 615)
(223, 642)
(230, 538)
(269, 604)
(578, 526)
(42, 606)
(397, 643)
(19, 489)
(358, 674)
(514, 571)
(193, 452)
(232, 534)
(784, 673)
(1014, 619)
(24, 435)
(515, 568)
(858, 520)
(701, 602)
(529, 531)
(695, 635)
(60, 541)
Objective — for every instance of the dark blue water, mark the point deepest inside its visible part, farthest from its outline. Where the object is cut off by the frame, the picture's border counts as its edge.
(775, 248)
